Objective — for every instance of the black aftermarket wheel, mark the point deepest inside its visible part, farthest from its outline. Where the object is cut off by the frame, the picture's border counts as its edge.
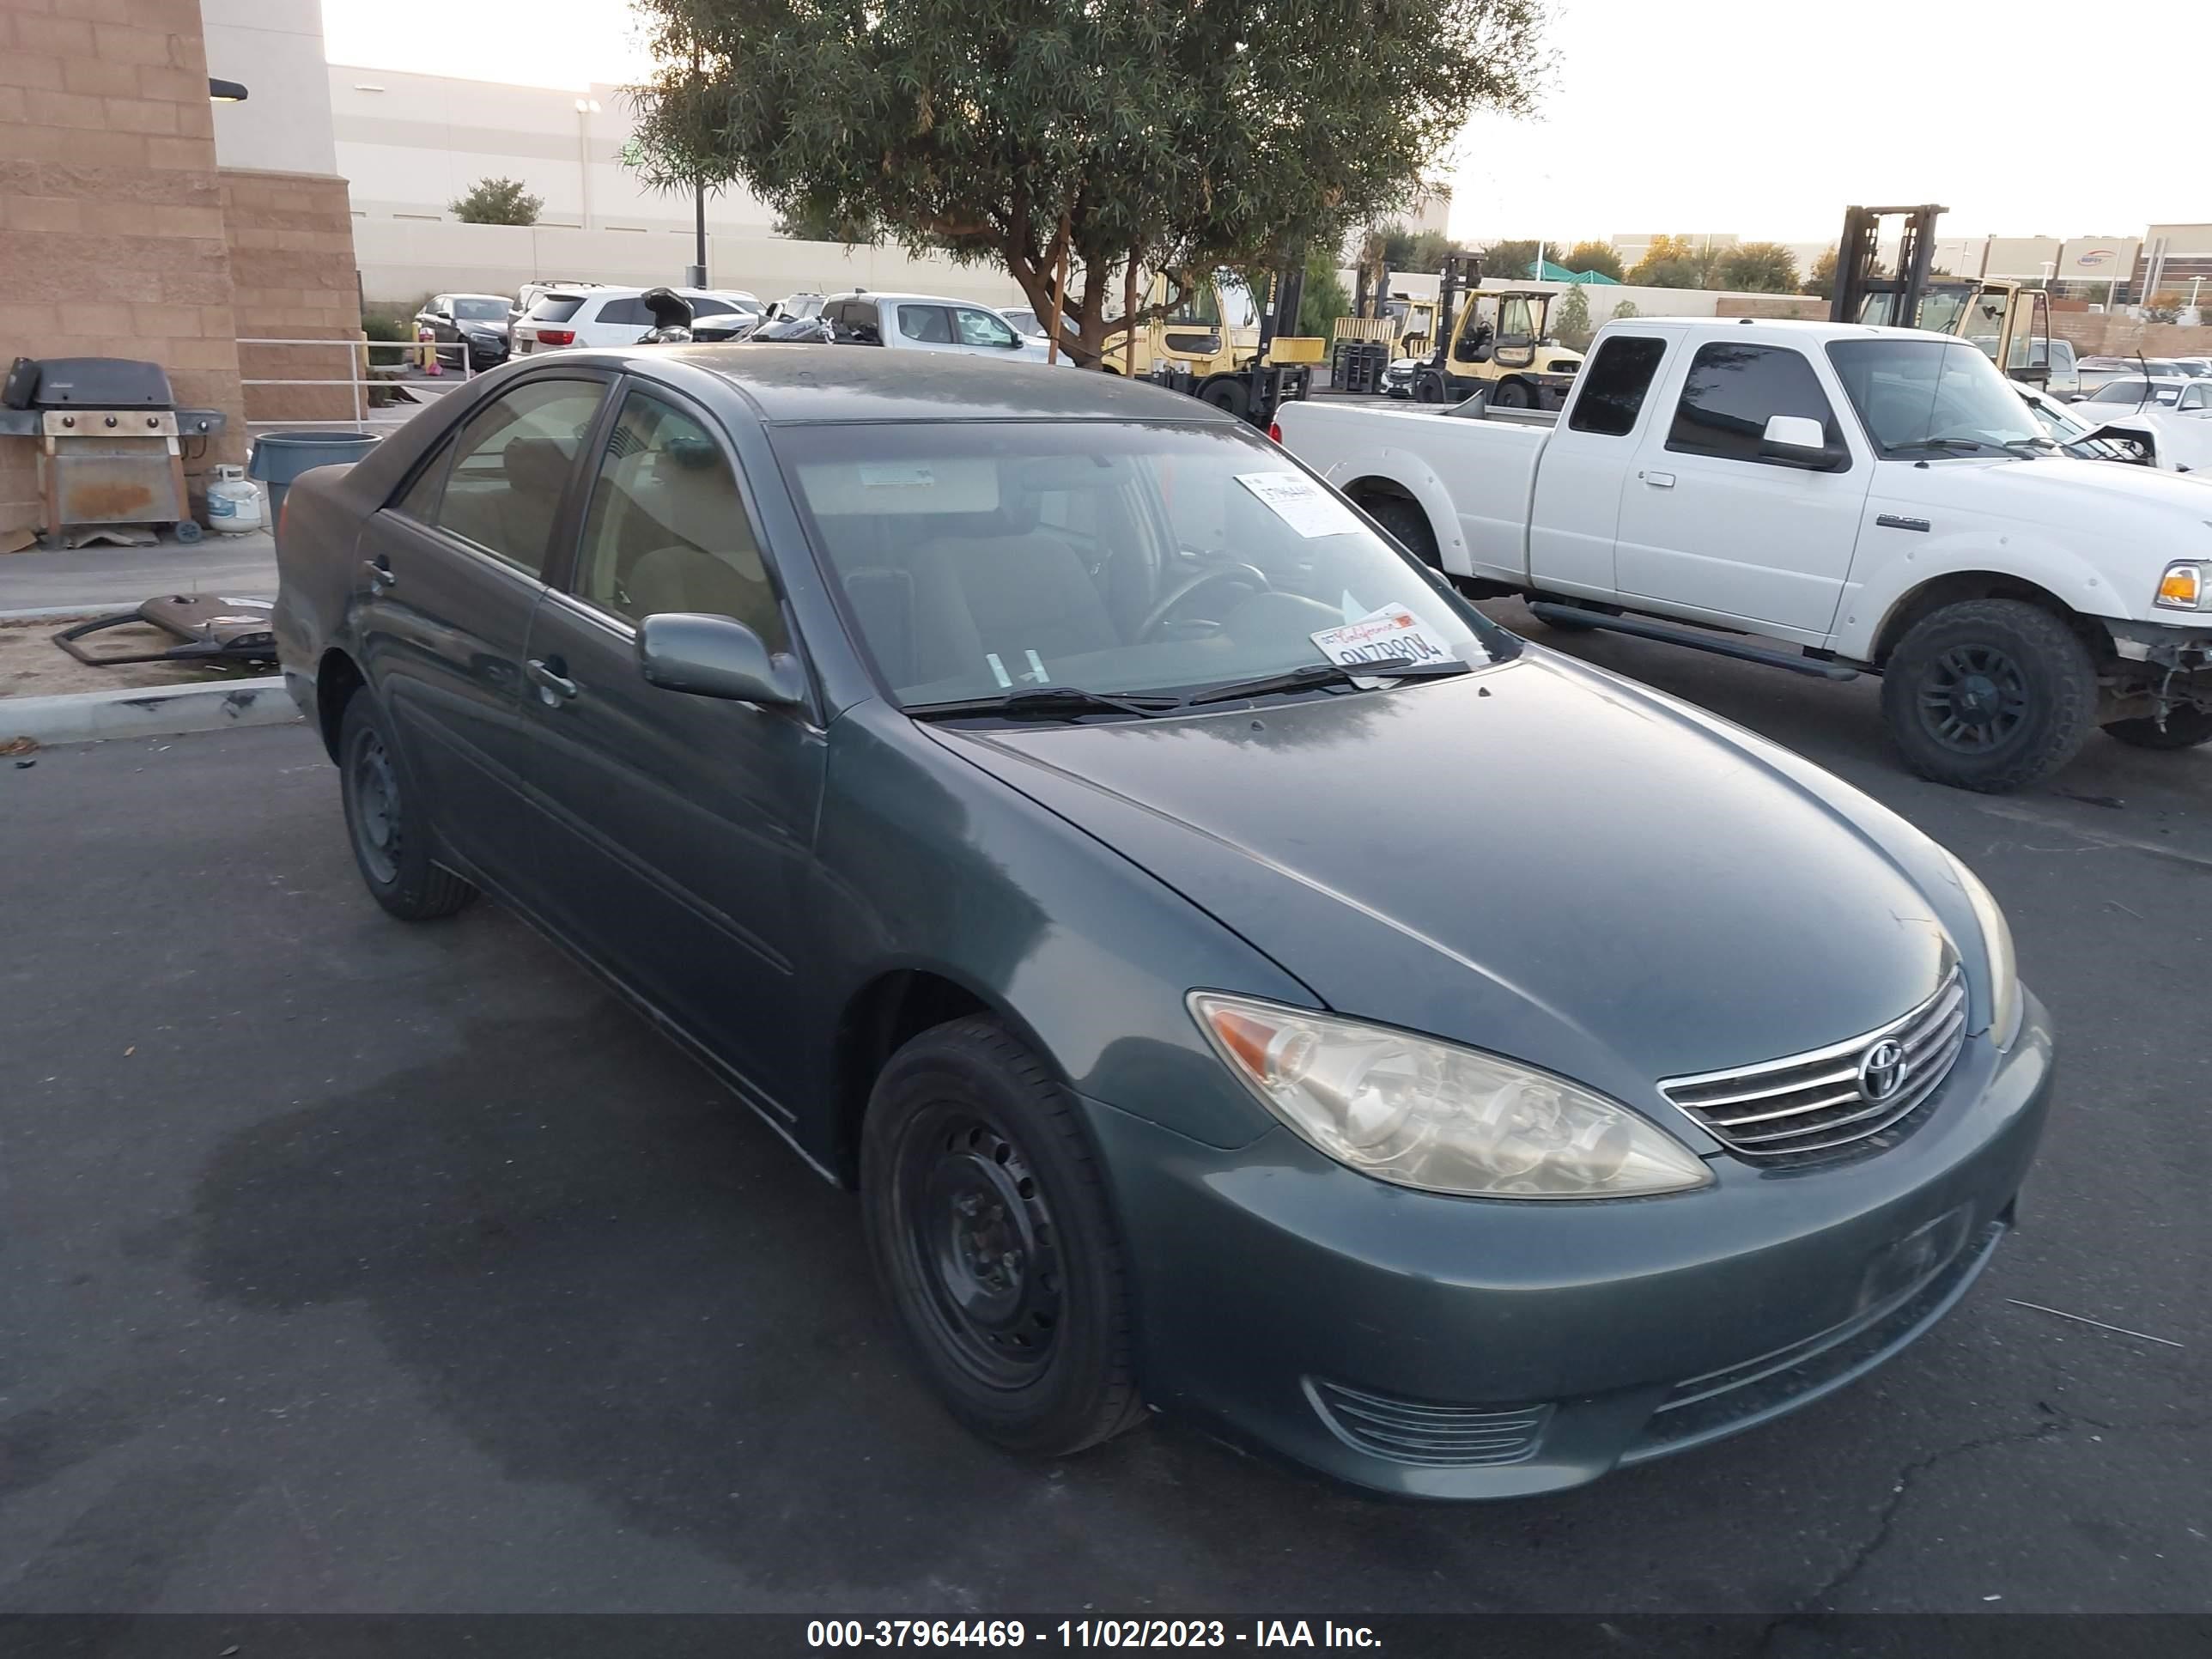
(1990, 695)
(986, 1217)
(392, 842)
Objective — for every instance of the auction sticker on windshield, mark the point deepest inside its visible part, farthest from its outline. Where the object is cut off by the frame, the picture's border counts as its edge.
(1392, 633)
(1301, 504)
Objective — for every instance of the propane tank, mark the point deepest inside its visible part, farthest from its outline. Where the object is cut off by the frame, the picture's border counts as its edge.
(234, 504)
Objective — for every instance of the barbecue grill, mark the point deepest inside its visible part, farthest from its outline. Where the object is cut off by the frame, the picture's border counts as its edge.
(111, 437)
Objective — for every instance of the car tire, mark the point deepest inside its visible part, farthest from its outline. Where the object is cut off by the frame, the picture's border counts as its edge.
(392, 845)
(986, 1217)
(2184, 728)
(1990, 695)
(1428, 388)
(1407, 525)
(1513, 394)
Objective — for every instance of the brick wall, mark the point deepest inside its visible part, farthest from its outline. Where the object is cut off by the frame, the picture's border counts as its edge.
(292, 278)
(2110, 334)
(111, 238)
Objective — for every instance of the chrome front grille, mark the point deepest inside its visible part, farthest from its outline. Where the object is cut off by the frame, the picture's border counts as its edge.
(1831, 1096)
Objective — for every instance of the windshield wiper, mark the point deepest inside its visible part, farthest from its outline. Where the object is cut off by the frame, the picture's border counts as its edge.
(1329, 673)
(1047, 702)
(1946, 446)
(2028, 448)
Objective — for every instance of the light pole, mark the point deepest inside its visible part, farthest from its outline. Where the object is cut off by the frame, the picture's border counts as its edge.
(586, 109)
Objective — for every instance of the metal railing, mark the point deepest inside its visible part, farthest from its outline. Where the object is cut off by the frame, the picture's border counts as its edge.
(360, 377)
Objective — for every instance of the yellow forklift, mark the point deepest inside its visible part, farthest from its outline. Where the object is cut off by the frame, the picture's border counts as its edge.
(1982, 309)
(1495, 343)
(1210, 329)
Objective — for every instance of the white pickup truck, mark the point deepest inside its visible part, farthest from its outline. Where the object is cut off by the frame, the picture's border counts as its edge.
(1865, 500)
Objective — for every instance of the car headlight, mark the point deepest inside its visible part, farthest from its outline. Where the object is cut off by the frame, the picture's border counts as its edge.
(1437, 1116)
(2187, 586)
(1997, 947)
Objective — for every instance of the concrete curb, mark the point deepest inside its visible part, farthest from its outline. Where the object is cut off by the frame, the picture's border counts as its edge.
(59, 612)
(153, 711)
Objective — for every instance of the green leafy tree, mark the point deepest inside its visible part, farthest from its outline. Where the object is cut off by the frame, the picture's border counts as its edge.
(1626, 308)
(1821, 279)
(1758, 268)
(1119, 135)
(1430, 250)
(1512, 256)
(1572, 324)
(1602, 257)
(496, 202)
(1323, 300)
(1677, 262)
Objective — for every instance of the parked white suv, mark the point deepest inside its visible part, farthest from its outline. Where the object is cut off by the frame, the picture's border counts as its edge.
(608, 316)
(927, 322)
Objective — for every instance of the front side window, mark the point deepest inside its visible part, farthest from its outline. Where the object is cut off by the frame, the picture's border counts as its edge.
(1733, 391)
(1930, 397)
(974, 558)
(924, 325)
(980, 328)
(1615, 383)
(511, 463)
(667, 528)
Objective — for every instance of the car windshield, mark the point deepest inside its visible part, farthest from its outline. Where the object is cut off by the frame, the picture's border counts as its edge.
(2132, 392)
(981, 558)
(1932, 396)
(481, 311)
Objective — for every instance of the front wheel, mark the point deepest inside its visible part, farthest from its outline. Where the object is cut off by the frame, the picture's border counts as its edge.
(2184, 728)
(1230, 395)
(392, 843)
(1514, 394)
(986, 1214)
(1990, 695)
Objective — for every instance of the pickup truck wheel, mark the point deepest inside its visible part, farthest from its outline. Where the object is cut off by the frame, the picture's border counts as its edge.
(1408, 524)
(986, 1214)
(2184, 729)
(1989, 695)
(392, 843)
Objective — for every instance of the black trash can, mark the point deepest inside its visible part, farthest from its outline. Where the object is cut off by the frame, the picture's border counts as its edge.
(280, 456)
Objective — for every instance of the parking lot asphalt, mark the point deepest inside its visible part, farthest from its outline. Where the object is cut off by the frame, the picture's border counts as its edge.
(347, 1266)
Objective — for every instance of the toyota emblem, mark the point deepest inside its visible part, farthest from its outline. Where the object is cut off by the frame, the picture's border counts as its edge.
(1881, 1071)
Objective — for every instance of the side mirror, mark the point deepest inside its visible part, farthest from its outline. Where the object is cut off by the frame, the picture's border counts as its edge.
(1798, 440)
(715, 657)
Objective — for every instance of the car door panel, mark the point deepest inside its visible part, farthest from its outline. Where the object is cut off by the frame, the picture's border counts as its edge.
(1709, 527)
(1584, 469)
(449, 577)
(676, 830)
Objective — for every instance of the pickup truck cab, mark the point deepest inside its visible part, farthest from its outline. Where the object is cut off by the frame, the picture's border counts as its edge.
(1867, 500)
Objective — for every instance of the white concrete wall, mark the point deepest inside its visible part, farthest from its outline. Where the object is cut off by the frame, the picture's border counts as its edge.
(403, 260)
(275, 48)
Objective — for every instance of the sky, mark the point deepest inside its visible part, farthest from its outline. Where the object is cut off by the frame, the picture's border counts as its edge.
(1754, 117)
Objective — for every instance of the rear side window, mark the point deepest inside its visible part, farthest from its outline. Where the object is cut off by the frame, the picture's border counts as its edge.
(1731, 392)
(555, 307)
(623, 312)
(510, 465)
(1614, 384)
(925, 323)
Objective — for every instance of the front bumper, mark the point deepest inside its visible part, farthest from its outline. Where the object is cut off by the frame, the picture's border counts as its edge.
(1437, 1347)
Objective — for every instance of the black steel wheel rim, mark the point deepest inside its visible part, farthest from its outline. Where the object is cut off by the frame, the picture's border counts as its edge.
(1973, 698)
(376, 820)
(981, 1250)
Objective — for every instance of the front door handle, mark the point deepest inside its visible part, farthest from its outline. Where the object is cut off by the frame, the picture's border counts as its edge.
(381, 576)
(1658, 480)
(554, 688)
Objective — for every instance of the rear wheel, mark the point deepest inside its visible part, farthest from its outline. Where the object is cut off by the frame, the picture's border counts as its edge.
(392, 842)
(985, 1213)
(1227, 394)
(2184, 728)
(1990, 695)
(1407, 525)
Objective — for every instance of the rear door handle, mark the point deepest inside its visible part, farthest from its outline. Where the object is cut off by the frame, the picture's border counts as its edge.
(1658, 480)
(554, 688)
(380, 575)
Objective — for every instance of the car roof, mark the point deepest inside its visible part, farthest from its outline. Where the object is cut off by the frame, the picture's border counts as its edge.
(791, 383)
(912, 298)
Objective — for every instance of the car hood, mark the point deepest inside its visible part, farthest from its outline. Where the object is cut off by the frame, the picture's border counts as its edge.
(1538, 859)
(2057, 492)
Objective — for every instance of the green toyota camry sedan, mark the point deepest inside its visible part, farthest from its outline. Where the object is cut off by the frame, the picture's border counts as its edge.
(1240, 980)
